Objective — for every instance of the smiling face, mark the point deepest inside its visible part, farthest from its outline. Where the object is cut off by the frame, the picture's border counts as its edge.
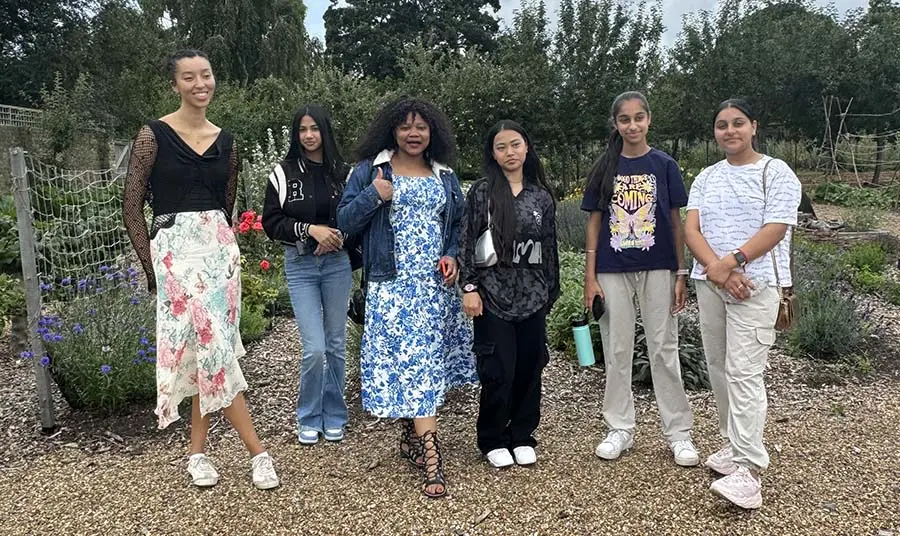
(510, 150)
(734, 131)
(632, 121)
(194, 81)
(413, 135)
(308, 135)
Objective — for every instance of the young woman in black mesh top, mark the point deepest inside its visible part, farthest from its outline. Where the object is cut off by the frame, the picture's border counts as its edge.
(192, 262)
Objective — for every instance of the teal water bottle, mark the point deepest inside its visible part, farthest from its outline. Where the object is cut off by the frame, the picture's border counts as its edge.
(584, 347)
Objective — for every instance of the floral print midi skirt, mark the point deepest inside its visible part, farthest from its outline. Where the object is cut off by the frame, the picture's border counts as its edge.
(198, 311)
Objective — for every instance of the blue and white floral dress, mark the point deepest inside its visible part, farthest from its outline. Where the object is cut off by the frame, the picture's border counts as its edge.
(417, 343)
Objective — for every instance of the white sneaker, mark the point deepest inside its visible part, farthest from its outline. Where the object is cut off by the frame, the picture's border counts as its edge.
(264, 476)
(740, 488)
(500, 458)
(202, 471)
(722, 461)
(685, 453)
(525, 455)
(308, 437)
(616, 441)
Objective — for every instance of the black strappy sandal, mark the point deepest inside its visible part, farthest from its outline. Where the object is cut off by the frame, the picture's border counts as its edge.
(410, 444)
(433, 469)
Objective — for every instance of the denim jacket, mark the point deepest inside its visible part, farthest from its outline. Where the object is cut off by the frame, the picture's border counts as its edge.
(362, 212)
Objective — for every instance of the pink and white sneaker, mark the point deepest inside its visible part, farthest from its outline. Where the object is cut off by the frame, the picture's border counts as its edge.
(722, 461)
(740, 488)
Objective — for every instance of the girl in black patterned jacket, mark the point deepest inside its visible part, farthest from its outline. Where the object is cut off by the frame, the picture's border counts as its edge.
(510, 299)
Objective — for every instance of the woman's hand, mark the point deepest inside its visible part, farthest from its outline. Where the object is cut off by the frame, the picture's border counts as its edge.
(680, 294)
(718, 273)
(739, 286)
(327, 237)
(449, 270)
(472, 304)
(591, 289)
(385, 188)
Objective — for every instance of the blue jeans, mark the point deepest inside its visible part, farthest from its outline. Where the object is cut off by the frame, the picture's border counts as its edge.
(320, 289)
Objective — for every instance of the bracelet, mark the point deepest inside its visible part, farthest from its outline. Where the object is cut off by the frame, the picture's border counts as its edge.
(683, 271)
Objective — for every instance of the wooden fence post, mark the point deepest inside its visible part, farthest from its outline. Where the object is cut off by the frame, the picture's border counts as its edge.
(25, 223)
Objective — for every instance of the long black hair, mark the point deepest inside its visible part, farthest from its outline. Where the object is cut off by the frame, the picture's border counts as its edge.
(503, 215)
(744, 107)
(331, 155)
(380, 135)
(602, 176)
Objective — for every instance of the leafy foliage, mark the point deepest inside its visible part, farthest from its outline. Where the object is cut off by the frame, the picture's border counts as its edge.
(12, 299)
(828, 326)
(100, 341)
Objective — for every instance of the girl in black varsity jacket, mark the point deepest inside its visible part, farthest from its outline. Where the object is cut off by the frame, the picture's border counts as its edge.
(301, 212)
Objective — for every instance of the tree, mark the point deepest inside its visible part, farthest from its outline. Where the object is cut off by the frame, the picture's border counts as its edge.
(246, 39)
(876, 76)
(37, 39)
(368, 37)
(602, 48)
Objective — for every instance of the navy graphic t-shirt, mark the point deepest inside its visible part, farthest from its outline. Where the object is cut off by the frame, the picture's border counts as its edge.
(636, 231)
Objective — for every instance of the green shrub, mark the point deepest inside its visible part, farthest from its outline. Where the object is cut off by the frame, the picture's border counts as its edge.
(571, 224)
(837, 193)
(862, 218)
(100, 340)
(12, 299)
(867, 281)
(866, 256)
(828, 326)
(254, 321)
(815, 262)
(892, 292)
(569, 304)
(9, 238)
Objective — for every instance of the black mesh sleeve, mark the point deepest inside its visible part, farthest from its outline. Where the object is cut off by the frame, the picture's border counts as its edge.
(231, 190)
(143, 155)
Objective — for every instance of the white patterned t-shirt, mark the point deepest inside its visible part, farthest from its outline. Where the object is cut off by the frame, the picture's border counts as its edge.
(733, 209)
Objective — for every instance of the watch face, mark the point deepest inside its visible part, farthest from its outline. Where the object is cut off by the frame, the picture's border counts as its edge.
(469, 287)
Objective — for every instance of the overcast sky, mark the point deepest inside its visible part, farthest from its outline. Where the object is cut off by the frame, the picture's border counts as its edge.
(672, 13)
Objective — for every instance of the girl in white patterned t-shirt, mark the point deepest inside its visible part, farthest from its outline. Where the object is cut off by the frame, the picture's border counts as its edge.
(733, 223)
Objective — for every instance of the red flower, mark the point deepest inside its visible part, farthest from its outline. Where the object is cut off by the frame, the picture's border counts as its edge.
(259, 218)
(243, 227)
(248, 215)
(264, 264)
(257, 226)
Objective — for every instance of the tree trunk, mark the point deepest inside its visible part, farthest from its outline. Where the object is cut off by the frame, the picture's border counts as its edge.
(674, 154)
(880, 146)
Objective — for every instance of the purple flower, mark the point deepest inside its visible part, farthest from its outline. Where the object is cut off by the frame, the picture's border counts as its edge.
(151, 349)
(92, 312)
(135, 301)
(42, 330)
(110, 276)
(151, 360)
(136, 361)
(104, 269)
(144, 341)
(82, 284)
(47, 337)
(78, 329)
(66, 281)
(57, 337)
(46, 286)
(132, 273)
(142, 329)
(141, 353)
(105, 369)
(27, 354)
(45, 360)
(45, 321)
(98, 290)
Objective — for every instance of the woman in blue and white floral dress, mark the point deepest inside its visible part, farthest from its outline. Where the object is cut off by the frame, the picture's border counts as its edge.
(416, 342)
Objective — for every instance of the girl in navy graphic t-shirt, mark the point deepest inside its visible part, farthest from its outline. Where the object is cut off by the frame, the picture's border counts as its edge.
(635, 249)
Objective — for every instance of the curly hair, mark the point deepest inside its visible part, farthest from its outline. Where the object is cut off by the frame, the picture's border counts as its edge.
(380, 135)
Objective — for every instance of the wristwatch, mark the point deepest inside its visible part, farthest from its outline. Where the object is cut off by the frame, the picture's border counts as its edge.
(740, 257)
(470, 287)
